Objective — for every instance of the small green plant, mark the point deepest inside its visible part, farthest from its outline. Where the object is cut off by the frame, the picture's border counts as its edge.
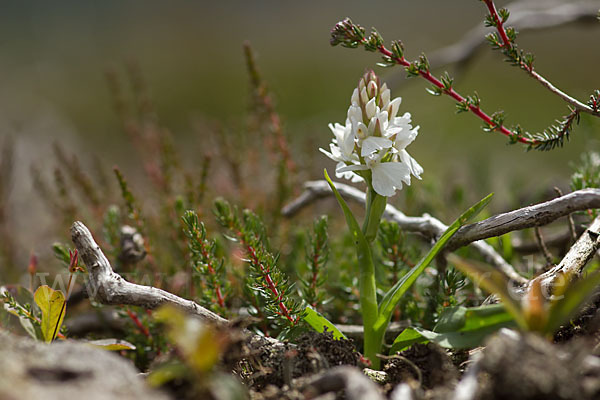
(198, 348)
(317, 255)
(540, 309)
(208, 268)
(265, 280)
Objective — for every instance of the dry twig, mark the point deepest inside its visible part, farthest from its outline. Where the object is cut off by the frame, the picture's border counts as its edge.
(109, 288)
(426, 225)
(526, 217)
(578, 256)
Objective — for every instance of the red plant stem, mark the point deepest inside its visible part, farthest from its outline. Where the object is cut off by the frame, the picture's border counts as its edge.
(211, 270)
(456, 96)
(505, 40)
(315, 273)
(270, 284)
(138, 323)
(220, 298)
(499, 24)
(529, 68)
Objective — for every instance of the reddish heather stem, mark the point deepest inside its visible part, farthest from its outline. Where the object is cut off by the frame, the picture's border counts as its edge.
(220, 298)
(270, 284)
(456, 96)
(499, 24)
(138, 323)
(211, 270)
(315, 272)
(529, 68)
(315, 269)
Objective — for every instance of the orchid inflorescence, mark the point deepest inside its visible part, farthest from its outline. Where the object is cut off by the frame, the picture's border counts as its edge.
(371, 146)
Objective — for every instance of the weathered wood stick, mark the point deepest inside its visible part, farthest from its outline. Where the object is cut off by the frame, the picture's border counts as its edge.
(107, 287)
(426, 225)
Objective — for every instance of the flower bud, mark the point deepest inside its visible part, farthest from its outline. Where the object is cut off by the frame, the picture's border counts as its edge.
(355, 99)
(364, 98)
(371, 109)
(33, 263)
(372, 89)
(384, 97)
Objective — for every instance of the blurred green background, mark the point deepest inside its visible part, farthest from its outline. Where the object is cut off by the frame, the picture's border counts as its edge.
(53, 57)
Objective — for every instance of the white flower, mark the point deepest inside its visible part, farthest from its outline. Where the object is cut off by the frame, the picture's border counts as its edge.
(374, 139)
(386, 177)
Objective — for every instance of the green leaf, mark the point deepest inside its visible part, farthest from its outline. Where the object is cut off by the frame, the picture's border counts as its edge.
(318, 322)
(449, 340)
(21, 296)
(494, 282)
(407, 338)
(357, 233)
(52, 304)
(574, 297)
(111, 344)
(466, 319)
(451, 319)
(28, 327)
(458, 327)
(393, 296)
(61, 252)
(166, 373)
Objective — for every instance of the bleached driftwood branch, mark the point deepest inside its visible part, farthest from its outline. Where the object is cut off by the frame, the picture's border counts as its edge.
(426, 225)
(107, 287)
(527, 217)
(578, 255)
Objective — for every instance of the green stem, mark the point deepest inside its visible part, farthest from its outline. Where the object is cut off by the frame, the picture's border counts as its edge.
(373, 338)
(367, 287)
(375, 208)
(368, 304)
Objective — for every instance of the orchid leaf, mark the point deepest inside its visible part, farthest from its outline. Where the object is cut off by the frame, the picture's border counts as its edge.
(394, 295)
(319, 323)
(458, 327)
(493, 281)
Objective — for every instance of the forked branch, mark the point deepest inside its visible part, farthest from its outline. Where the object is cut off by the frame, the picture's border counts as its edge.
(109, 288)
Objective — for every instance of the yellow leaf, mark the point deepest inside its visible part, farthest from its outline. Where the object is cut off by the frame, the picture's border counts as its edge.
(197, 342)
(52, 304)
(111, 344)
(534, 307)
